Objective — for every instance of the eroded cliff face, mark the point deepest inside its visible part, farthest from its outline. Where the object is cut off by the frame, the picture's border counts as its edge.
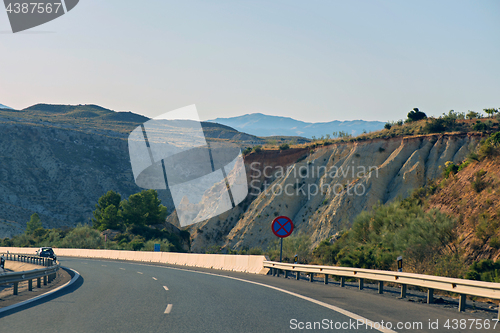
(323, 190)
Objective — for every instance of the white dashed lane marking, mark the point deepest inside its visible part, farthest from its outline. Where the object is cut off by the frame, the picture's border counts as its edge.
(165, 287)
(168, 309)
(139, 272)
(155, 278)
(122, 268)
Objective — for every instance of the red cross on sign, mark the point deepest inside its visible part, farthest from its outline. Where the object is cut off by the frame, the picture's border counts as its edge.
(282, 226)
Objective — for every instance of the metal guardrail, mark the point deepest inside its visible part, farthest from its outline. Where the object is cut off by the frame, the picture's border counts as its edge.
(30, 259)
(48, 272)
(460, 286)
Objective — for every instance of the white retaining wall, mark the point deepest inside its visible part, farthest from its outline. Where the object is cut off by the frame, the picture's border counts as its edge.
(238, 263)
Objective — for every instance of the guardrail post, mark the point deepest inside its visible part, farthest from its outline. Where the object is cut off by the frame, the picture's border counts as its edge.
(342, 281)
(403, 291)
(430, 296)
(361, 283)
(297, 275)
(30, 285)
(45, 280)
(461, 302)
(273, 271)
(381, 287)
(39, 282)
(311, 277)
(498, 315)
(278, 273)
(286, 274)
(15, 287)
(326, 278)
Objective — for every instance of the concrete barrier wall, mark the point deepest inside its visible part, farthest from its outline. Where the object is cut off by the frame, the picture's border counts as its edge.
(237, 263)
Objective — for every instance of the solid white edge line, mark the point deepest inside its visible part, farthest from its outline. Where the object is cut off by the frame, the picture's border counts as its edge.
(312, 300)
(168, 309)
(67, 284)
(165, 287)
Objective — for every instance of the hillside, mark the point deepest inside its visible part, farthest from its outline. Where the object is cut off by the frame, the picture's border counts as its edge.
(57, 160)
(448, 227)
(329, 186)
(264, 125)
(5, 107)
(472, 196)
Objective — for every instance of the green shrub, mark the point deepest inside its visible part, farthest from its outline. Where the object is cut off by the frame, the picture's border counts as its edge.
(480, 126)
(495, 243)
(378, 236)
(435, 125)
(387, 126)
(473, 115)
(257, 149)
(284, 146)
(478, 184)
(165, 245)
(83, 237)
(292, 245)
(416, 115)
(463, 165)
(450, 168)
(484, 270)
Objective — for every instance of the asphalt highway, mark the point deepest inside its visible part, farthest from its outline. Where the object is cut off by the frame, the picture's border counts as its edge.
(114, 296)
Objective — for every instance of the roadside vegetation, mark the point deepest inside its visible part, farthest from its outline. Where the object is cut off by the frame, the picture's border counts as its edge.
(136, 223)
(450, 227)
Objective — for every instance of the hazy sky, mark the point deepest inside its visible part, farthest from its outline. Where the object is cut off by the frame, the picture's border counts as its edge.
(310, 60)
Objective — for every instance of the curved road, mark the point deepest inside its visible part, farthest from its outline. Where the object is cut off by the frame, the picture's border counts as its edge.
(116, 296)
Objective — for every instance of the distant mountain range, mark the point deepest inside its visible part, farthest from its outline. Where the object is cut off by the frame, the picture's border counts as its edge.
(5, 107)
(263, 125)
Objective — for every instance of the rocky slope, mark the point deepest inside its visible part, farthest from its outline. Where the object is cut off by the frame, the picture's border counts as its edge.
(57, 160)
(58, 173)
(473, 196)
(329, 186)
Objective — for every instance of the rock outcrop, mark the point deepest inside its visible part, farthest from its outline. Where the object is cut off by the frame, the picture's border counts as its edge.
(323, 190)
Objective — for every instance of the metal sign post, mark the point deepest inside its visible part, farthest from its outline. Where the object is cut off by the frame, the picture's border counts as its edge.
(281, 248)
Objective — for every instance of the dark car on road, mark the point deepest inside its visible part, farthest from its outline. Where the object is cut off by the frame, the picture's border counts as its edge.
(46, 252)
